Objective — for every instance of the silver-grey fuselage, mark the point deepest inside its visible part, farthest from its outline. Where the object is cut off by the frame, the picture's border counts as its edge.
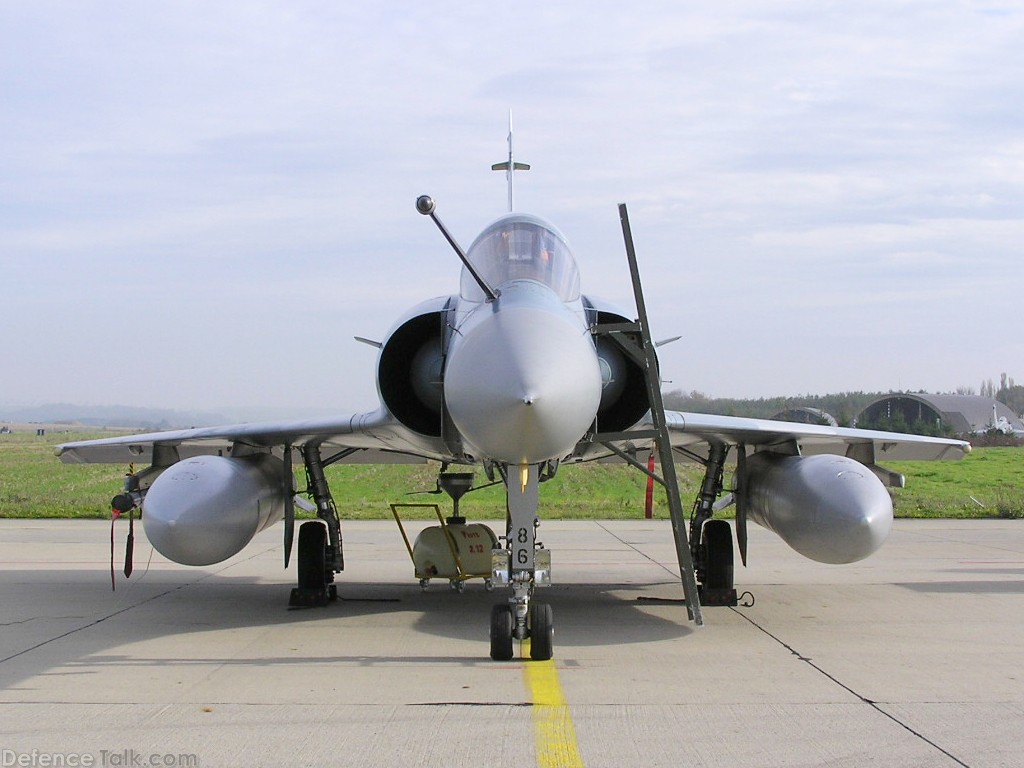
(514, 379)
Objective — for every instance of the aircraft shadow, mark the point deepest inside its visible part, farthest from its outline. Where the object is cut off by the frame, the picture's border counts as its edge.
(1007, 587)
(64, 620)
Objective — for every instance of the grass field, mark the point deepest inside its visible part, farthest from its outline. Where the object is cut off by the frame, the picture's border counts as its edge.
(35, 484)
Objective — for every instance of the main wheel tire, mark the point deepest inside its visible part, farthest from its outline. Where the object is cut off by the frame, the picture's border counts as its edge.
(542, 632)
(717, 540)
(501, 632)
(312, 565)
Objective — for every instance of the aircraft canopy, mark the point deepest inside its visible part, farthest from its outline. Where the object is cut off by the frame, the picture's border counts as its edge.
(522, 247)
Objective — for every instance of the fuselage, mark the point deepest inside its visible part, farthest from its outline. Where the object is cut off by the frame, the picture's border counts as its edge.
(516, 375)
(522, 379)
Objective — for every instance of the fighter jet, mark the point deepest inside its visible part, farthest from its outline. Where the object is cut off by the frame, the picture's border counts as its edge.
(522, 374)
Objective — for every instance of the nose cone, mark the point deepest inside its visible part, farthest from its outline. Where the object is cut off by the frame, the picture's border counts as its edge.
(522, 382)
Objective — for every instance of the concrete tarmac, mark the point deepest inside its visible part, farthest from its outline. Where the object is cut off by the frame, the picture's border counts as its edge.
(914, 657)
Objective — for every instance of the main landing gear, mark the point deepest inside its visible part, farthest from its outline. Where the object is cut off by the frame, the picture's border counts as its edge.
(711, 540)
(316, 580)
(320, 544)
(523, 564)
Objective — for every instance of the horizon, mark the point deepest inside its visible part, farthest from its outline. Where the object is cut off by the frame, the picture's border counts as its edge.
(243, 413)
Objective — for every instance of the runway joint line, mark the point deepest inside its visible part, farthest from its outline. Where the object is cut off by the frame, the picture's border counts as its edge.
(873, 704)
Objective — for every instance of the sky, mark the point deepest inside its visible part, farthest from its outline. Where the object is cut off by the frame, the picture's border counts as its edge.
(201, 204)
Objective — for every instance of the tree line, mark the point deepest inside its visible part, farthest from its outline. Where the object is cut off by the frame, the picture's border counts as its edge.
(1009, 393)
(843, 406)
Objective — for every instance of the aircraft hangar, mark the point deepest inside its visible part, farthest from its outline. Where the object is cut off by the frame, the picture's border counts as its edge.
(807, 415)
(961, 414)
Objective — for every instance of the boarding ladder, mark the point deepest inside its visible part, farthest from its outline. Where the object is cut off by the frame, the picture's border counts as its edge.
(634, 339)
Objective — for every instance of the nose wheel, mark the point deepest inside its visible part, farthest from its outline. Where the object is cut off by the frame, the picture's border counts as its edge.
(501, 632)
(540, 630)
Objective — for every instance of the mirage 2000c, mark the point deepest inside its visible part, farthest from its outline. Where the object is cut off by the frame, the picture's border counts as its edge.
(522, 374)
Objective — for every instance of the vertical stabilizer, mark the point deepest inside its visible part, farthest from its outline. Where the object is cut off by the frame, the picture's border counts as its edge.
(510, 166)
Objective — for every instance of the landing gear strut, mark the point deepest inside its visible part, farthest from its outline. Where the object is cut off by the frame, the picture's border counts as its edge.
(711, 540)
(524, 565)
(320, 543)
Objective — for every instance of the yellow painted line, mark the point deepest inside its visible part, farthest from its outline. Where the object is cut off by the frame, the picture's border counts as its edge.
(553, 728)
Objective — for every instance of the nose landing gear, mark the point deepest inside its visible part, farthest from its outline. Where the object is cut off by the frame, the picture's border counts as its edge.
(541, 631)
(524, 565)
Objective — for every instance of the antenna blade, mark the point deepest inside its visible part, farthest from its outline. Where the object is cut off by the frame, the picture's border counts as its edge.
(510, 167)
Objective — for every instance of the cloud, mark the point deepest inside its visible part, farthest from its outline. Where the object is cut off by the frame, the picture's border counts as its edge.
(231, 185)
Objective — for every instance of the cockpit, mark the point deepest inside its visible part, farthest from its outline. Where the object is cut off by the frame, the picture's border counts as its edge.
(521, 247)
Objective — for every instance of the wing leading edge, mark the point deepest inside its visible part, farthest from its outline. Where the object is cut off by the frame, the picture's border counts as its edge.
(690, 430)
(374, 437)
